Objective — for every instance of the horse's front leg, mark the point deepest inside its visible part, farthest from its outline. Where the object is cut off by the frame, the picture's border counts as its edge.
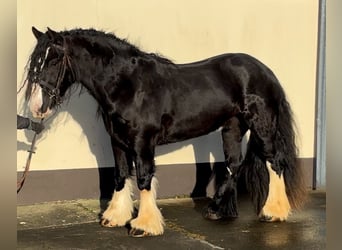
(120, 208)
(150, 221)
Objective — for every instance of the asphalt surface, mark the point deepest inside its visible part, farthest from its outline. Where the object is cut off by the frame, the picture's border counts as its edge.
(75, 225)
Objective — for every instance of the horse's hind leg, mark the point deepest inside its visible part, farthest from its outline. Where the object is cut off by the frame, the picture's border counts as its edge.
(120, 208)
(225, 199)
(203, 177)
(269, 195)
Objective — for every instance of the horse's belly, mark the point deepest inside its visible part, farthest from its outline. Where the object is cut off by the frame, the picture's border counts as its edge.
(181, 131)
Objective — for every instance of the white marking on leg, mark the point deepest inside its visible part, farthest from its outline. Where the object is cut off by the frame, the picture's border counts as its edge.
(120, 208)
(229, 171)
(277, 206)
(149, 217)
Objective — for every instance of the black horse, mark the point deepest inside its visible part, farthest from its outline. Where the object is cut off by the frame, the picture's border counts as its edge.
(146, 100)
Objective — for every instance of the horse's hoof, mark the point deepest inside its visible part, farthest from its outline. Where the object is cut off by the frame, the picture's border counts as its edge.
(138, 233)
(211, 214)
(268, 218)
(106, 223)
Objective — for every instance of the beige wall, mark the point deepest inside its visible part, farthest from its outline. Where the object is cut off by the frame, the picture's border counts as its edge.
(281, 33)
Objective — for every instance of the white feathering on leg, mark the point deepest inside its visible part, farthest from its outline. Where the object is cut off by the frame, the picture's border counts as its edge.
(120, 208)
(277, 206)
(149, 217)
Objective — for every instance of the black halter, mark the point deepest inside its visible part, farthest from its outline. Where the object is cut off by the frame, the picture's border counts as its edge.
(53, 91)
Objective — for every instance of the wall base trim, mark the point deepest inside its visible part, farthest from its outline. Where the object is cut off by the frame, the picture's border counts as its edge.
(97, 183)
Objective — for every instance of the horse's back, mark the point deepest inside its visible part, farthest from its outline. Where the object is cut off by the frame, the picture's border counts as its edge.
(235, 74)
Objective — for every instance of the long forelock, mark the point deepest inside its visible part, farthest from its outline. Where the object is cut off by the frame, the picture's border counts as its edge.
(35, 63)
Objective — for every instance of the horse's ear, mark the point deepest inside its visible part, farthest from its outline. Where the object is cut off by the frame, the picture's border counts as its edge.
(55, 36)
(36, 32)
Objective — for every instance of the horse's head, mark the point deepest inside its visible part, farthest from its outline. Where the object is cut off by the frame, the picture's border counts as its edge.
(50, 72)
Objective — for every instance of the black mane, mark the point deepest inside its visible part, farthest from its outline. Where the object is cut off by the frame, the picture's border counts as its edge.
(109, 40)
(105, 42)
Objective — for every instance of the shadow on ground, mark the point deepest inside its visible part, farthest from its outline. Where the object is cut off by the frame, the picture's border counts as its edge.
(75, 225)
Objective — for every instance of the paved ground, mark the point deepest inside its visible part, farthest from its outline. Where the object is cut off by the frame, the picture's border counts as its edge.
(75, 225)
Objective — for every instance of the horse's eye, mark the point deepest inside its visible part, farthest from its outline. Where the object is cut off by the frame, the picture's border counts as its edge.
(53, 62)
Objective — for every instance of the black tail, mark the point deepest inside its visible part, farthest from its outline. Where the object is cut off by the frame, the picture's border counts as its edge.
(286, 156)
(285, 159)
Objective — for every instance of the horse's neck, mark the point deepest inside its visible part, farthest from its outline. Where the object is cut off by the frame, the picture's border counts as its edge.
(94, 76)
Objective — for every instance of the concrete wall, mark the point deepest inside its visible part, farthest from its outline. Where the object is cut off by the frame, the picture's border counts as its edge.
(282, 34)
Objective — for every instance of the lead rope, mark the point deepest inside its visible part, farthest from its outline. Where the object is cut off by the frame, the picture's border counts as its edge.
(20, 183)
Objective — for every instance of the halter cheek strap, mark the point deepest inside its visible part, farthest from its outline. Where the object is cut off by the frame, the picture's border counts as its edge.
(53, 91)
(49, 86)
